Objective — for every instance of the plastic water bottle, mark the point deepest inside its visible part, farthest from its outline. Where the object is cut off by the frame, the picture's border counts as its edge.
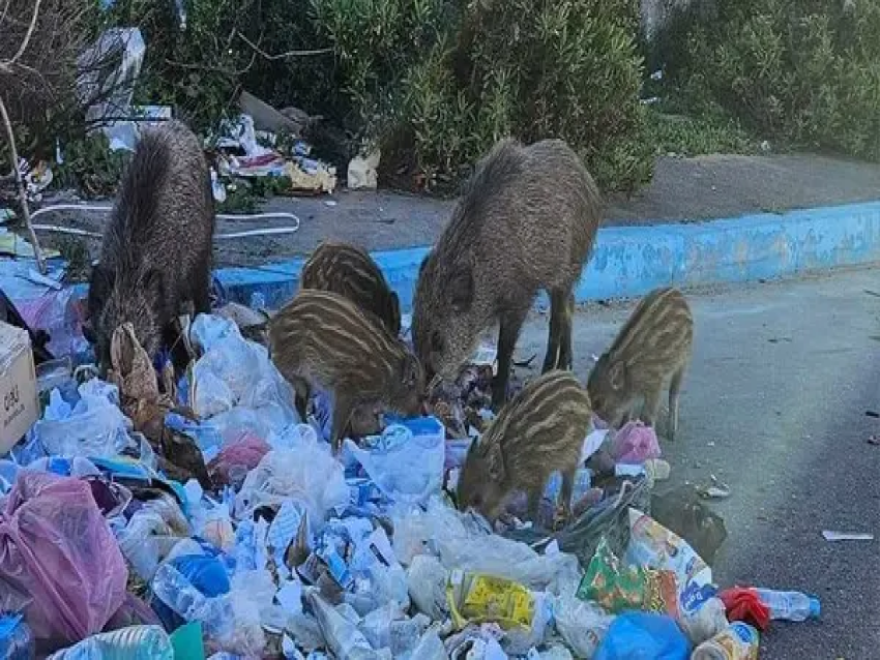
(789, 605)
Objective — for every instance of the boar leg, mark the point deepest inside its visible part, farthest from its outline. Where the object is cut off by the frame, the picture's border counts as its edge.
(551, 360)
(566, 357)
(534, 503)
(303, 394)
(568, 489)
(511, 323)
(651, 408)
(342, 410)
(674, 392)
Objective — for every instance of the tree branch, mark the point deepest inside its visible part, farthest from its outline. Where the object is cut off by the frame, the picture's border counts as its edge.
(283, 56)
(22, 190)
(26, 41)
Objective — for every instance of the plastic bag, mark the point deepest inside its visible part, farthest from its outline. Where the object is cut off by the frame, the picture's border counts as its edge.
(234, 372)
(56, 547)
(426, 579)
(58, 313)
(94, 427)
(462, 541)
(609, 519)
(409, 465)
(16, 639)
(651, 544)
(235, 460)
(582, 625)
(135, 643)
(635, 443)
(232, 620)
(641, 635)
(306, 472)
(341, 635)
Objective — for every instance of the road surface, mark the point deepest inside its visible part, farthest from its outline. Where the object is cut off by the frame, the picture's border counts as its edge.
(775, 406)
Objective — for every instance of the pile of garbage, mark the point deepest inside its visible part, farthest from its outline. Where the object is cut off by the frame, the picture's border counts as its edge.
(145, 516)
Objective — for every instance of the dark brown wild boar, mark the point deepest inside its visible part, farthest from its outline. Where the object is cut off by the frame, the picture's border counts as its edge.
(526, 221)
(653, 348)
(322, 338)
(540, 431)
(156, 254)
(349, 271)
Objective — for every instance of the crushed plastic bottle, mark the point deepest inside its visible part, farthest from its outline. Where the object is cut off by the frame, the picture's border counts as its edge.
(790, 605)
(133, 643)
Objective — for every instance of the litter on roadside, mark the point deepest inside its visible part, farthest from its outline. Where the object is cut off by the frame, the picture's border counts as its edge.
(224, 526)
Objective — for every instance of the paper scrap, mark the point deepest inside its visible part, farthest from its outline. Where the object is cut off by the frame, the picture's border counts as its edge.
(846, 536)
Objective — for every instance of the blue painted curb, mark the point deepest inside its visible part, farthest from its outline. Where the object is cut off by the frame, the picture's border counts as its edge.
(630, 261)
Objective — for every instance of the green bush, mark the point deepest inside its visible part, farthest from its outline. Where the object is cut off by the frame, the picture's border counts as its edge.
(802, 71)
(433, 82)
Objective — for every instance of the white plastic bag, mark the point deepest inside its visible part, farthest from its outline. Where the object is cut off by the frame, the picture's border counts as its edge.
(236, 373)
(306, 472)
(409, 469)
(93, 428)
(426, 579)
(443, 531)
(582, 624)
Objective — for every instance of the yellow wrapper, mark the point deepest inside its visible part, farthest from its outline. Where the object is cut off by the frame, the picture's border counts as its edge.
(477, 598)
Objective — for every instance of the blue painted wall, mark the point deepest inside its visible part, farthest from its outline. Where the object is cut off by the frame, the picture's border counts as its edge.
(630, 261)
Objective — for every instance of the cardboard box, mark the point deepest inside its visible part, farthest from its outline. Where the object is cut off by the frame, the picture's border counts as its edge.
(19, 406)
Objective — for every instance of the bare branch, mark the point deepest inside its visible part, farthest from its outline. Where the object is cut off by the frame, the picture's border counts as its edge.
(27, 38)
(283, 56)
(22, 190)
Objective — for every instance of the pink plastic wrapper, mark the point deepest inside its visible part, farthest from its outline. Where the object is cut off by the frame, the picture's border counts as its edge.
(634, 444)
(56, 547)
(235, 460)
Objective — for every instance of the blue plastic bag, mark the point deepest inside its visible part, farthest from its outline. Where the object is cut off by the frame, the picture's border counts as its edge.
(643, 636)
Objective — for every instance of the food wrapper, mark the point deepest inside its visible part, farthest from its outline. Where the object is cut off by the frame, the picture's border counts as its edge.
(651, 544)
(477, 598)
(618, 588)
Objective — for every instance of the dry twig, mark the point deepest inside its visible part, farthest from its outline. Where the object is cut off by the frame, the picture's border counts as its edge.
(22, 189)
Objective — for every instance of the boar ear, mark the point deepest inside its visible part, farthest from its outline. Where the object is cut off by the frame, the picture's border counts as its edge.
(616, 375)
(495, 463)
(461, 288)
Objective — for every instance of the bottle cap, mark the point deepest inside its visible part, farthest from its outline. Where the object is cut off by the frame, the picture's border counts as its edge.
(815, 607)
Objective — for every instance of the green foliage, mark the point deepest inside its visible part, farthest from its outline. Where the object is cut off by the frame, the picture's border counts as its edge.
(802, 71)
(689, 136)
(90, 167)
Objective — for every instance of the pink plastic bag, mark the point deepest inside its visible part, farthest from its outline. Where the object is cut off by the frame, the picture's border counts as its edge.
(634, 444)
(56, 547)
(235, 460)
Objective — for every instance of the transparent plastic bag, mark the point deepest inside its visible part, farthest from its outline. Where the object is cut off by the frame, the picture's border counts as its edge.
(94, 427)
(306, 471)
(409, 466)
(583, 625)
(461, 541)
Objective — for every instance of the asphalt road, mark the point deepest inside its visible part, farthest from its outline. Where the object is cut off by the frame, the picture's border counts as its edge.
(775, 406)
